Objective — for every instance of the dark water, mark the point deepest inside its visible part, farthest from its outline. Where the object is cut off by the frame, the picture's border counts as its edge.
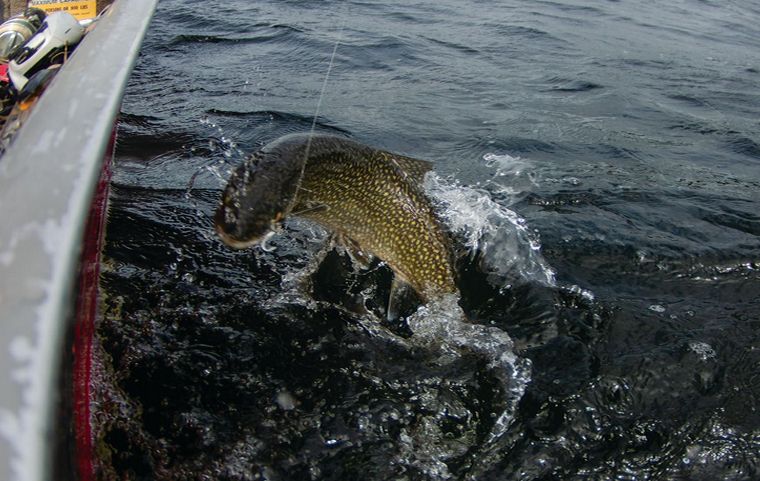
(598, 165)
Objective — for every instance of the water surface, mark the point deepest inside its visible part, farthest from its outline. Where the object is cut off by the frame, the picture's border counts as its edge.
(597, 164)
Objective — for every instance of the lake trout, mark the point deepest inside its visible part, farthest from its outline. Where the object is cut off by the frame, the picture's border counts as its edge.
(372, 199)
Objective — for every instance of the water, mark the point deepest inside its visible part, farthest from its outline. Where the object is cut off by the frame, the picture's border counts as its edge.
(597, 164)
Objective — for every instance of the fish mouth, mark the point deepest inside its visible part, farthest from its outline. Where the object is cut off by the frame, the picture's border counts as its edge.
(241, 244)
(235, 242)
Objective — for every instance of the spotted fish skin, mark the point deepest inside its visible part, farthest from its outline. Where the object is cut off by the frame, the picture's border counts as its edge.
(370, 197)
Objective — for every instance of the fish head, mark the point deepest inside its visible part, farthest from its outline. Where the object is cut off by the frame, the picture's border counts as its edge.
(258, 197)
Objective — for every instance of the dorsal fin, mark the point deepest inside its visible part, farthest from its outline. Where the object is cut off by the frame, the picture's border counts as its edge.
(414, 168)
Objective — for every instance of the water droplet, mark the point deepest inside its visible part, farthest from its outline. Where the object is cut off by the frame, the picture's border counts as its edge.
(285, 400)
(702, 349)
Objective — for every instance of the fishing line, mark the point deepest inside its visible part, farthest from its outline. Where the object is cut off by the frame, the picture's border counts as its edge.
(324, 88)
(310, 209)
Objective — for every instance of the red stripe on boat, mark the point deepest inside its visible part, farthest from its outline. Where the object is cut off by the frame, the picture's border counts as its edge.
(86, 315)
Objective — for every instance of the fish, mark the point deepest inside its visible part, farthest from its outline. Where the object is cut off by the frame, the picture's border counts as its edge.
(372, 200)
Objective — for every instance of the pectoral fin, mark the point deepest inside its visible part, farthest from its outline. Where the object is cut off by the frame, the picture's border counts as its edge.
(359, 257)
(402, 295)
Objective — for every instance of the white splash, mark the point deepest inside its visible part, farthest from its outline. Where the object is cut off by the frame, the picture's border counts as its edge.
(702, 349)
(657, 308)
(227, 146)
(510, 251)
(286, 401)
(513, 177)
(441, 324)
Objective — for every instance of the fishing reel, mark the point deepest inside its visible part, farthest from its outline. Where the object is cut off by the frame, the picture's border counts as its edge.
(59, 33)
(18, 30)
(14, 33)
(30, 44)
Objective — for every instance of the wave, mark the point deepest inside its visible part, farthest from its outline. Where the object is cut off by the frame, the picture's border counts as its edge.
(291, 122)
(191, 39)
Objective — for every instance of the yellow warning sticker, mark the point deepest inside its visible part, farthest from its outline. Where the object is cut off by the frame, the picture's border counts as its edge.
(80, 9)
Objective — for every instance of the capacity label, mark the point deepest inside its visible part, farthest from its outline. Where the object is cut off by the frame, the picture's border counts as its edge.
(80, 9)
